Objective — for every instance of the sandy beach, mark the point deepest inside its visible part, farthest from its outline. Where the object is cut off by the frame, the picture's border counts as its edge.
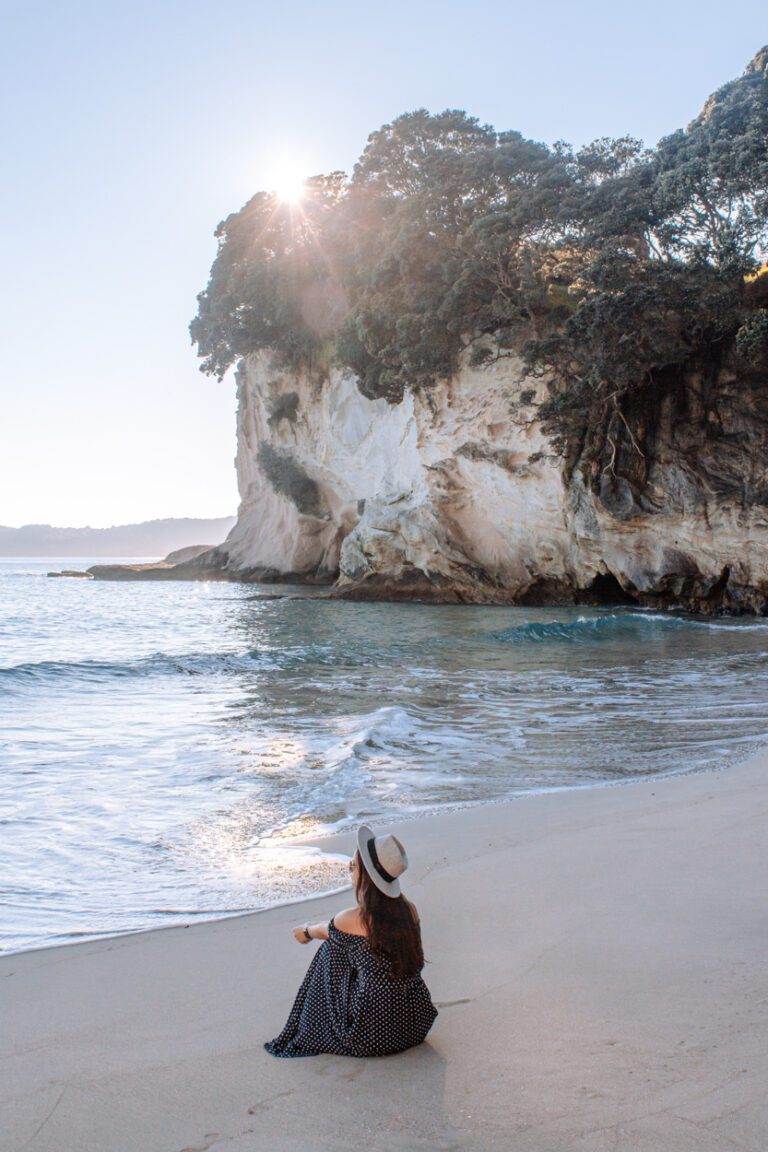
(597, 955)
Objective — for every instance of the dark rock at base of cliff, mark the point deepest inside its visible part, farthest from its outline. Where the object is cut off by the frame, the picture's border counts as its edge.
(694, 593)
(721, 596)
(419, 587)
(684, 588)
(604, 589)
(294, 591)
(313, 579)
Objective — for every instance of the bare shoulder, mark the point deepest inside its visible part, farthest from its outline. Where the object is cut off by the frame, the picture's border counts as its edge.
(350, 921)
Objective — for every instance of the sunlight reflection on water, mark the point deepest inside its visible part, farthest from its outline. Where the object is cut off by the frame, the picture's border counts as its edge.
(161, 741)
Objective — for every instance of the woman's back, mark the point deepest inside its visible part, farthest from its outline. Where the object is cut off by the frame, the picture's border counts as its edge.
(351, 1004)
(363, 994)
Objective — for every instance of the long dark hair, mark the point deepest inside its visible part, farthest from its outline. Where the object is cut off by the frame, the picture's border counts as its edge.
(392, 926)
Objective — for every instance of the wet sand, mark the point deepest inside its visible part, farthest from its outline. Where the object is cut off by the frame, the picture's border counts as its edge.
(598, 957)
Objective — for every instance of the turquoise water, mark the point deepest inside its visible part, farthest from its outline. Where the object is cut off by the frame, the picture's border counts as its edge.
(161, 741)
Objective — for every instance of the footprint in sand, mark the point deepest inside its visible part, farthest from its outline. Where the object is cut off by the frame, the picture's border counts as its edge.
(264, 1104)
(211, 1137)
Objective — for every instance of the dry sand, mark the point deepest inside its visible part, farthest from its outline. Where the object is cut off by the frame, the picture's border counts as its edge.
(598, 956)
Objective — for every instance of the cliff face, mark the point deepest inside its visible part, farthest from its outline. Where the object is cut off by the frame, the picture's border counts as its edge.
(458, 496)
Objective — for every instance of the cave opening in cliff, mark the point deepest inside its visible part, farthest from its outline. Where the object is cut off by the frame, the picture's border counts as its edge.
(605, 589)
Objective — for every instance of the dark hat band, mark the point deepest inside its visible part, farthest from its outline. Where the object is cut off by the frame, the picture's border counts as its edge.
(377, 864)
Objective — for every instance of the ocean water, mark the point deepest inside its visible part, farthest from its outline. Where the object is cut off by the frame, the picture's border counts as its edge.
(160, 744)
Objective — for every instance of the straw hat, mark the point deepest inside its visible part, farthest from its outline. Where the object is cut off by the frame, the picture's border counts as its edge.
(383, 858)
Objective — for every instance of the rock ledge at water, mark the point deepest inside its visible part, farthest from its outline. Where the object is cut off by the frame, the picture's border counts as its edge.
(71, 572)
(182, 564)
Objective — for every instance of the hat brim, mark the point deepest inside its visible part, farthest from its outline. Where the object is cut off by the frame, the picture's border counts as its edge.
(389, 888)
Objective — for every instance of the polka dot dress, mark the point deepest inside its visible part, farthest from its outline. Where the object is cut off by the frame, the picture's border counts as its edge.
(348, 1004)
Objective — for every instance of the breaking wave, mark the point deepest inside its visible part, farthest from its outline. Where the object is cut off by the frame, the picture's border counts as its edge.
(164, 747)
(587, 629)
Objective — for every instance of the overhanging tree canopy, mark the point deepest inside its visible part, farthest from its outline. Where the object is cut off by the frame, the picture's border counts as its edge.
(607, 267)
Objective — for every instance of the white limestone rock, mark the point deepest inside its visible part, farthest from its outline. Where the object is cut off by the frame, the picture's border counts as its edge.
(459, 495)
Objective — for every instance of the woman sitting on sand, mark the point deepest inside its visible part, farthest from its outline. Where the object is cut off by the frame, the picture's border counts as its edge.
(363, 994)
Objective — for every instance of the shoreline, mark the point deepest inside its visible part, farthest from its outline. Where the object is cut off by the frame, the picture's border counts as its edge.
(596, 956)
(390, 819)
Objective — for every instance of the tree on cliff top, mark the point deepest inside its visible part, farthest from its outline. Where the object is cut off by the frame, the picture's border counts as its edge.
(271, 284)
(712, 182)
(607, 268)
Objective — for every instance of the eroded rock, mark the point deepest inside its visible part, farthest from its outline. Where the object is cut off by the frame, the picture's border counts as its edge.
(457, 496)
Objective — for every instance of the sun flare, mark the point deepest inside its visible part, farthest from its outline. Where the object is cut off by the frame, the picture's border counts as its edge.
(289, 184)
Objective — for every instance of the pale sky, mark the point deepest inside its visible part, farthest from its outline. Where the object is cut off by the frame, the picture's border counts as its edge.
(130, 129)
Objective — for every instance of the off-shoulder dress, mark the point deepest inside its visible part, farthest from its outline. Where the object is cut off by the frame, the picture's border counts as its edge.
(349, 1004)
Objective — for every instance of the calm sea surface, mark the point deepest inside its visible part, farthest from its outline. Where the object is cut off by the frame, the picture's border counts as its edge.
(160, 742)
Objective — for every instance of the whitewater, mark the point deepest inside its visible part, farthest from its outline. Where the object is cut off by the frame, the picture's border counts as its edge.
(164, 745)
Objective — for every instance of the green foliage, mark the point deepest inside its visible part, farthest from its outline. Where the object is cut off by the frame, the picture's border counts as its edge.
(283, 407)
(609, 268)
(288, 478)
(270, 285)
(480, 355)
(712, 178)
(752, 339)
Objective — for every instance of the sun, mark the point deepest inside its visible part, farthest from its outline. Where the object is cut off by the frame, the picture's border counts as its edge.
(289, 184)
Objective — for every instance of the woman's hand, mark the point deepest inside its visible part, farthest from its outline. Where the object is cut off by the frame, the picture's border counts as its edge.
(300, 935)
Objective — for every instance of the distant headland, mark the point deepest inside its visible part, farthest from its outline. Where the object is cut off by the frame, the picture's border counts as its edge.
(150, 538)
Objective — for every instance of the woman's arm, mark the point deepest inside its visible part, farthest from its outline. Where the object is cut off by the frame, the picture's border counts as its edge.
(348, 921)
(305, 933)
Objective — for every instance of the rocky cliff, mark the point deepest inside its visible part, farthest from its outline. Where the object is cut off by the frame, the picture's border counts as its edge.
(457, 496)
(484, 369)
